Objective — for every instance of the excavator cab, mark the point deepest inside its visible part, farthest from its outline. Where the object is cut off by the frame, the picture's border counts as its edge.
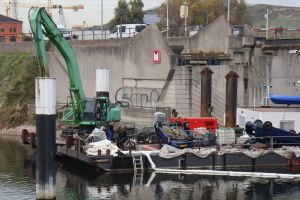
(100, 111)
(87, 117)
(89, 110)
(102, 105)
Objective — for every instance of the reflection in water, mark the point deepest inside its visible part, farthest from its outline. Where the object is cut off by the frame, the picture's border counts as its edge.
(14, 184)
(173, 186)
(17, 174)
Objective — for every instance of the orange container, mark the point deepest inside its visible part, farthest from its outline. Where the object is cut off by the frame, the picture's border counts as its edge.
(210, 123)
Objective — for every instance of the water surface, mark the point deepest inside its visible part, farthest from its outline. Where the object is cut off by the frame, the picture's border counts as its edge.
(17, 181)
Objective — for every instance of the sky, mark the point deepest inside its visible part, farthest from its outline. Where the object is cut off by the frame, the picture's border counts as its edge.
(92, 12)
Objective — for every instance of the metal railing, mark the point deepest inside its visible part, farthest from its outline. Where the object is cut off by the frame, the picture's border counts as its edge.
(99, 34)
(104, 34)
(90, 34)
(272, 142)
(285, 34)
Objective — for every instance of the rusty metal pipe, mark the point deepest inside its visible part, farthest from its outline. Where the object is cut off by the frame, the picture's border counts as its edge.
(206, 85)
(231, 99)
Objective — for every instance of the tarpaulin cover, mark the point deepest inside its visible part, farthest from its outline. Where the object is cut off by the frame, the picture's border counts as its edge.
(288, 152)
(168, 151)
(102, 145)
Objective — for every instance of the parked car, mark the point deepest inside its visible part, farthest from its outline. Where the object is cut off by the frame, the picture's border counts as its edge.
(64, 31)
(127, 30)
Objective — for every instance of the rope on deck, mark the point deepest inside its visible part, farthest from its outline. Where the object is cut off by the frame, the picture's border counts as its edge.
(219, 173)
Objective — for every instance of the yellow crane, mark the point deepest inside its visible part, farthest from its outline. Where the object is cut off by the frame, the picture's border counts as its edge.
(14, 4)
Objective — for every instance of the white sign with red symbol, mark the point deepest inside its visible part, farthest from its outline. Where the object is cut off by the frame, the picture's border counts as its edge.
(156, 56)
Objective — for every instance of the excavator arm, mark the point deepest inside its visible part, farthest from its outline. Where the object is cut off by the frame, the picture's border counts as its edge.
(41, 24)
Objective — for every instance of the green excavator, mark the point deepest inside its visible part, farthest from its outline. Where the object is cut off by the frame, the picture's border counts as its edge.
(84, 113)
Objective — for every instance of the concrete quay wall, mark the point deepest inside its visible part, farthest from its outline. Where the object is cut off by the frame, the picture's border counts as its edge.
(135, 81)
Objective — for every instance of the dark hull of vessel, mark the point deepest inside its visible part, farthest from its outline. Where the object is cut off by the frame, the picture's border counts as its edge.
(229, 161)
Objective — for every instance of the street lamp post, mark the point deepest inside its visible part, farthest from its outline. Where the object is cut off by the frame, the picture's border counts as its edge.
(267, 23)
(102, 14)
(228, 10)
(122, 14)
(185, 18)
(184, 14)
(167, 18)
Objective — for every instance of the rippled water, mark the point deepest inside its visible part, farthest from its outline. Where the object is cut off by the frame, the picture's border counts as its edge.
(17, 174)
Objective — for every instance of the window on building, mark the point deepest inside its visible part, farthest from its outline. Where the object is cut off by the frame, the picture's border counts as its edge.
(2, 39)
(287, 125)
(13, 39)
(1, 28)
(14, 29)
(11, 29)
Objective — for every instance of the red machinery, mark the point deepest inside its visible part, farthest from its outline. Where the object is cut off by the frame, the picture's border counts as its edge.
(207, 122)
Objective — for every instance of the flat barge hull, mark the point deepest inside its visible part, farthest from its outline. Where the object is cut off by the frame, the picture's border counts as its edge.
(104, 163)
(229, 161)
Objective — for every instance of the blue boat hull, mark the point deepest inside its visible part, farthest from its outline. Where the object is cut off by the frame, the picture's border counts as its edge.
(280, 99)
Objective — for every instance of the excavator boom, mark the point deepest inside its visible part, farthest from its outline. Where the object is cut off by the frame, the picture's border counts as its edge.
(41, 24)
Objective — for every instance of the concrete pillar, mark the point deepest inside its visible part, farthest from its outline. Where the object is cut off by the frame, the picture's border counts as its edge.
(102, 82)
(206, 85)
(45, 101)
(231, 99)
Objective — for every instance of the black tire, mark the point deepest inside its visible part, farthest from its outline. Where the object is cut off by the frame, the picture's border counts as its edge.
(258, 121)
(126, 145)
(248, 128)
(252, 141)
(267, 126)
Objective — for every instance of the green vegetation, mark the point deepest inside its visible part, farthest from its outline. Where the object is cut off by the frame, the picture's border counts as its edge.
(131, 12)
(17, 76)
(202, 12)
(279, 16)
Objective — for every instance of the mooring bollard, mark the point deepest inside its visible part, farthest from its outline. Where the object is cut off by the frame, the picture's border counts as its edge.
(24, 136)
(69, 141)
(33, 139)
(45, 101)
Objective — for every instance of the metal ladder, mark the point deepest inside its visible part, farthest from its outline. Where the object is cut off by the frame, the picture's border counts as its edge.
(138, 168)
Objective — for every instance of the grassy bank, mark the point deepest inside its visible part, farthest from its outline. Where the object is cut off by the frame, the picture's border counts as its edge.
(17, 75)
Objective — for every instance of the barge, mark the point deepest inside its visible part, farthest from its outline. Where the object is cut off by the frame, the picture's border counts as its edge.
(150, 156)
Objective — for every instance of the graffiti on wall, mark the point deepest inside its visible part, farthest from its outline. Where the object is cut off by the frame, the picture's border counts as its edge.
(137, 97)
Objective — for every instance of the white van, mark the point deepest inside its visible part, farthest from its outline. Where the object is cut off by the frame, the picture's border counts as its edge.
(64, 31)
(127, 30)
